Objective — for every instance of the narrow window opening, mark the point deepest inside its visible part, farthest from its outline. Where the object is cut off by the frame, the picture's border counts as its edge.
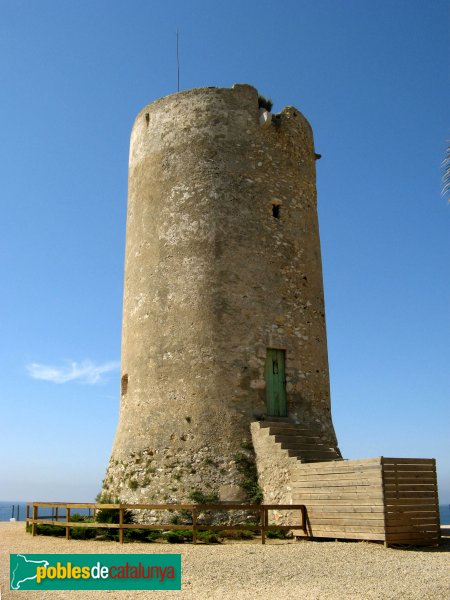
(124, 385)
(276, 211)
(147, 118)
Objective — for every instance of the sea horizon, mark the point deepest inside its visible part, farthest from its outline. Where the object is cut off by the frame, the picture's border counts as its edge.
(8, 509)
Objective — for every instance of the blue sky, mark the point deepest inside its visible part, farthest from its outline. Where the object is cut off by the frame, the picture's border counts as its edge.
(371, 77)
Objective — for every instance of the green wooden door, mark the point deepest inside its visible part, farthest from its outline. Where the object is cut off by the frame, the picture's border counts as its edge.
(274, 375)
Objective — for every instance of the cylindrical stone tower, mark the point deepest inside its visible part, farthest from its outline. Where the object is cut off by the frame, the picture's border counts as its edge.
(223, 316)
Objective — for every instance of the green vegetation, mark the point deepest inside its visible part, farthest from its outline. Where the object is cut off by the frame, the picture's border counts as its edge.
(200, 497)
(238, 534)
(181, 517)
(247, 446)
(111, 515)
(280, 534)
(178, 536)
(208, 537)
(247, 468)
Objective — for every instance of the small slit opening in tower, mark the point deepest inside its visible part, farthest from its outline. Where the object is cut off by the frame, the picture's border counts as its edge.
(124, 385)
(276, 210)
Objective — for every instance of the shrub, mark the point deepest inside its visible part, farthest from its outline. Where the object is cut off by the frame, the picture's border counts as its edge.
(135, 535)
(200, 497)
(279, 534)
(181, 517)
(247, 467)
(154, 535)
(48, 530)
(77, 518)
(174, 537)
(111, 515)
(83, 533)
(238, 534)
(208, 537)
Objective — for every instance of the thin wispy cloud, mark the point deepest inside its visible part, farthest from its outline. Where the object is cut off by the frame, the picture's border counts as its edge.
(83, 372)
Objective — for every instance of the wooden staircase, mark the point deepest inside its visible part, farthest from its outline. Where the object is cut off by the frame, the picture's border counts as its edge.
(305, 444)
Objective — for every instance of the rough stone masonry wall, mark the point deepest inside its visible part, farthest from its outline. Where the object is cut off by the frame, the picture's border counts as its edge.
(275, 468)
(213, 279)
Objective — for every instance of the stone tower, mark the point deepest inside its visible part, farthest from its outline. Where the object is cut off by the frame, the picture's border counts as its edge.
(223, 316)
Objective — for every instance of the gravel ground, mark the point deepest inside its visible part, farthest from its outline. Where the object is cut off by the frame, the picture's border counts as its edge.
(280, 570)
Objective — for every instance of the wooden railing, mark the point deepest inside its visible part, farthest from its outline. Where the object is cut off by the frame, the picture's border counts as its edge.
(32, 516)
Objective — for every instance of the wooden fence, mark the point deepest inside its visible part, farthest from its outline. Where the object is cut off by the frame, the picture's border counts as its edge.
(63, 520)
(411, 506)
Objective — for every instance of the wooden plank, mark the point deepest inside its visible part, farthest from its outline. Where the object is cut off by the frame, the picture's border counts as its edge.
(350, 483)
(337, 467)
(47, 504)
(377, 537)
(347, 487)
(399, 528)
(67, 523)
(407, 493)
(35, 517)
(339, 510)
(282, 506)
(408, 468)
(407, 461)
(194, 525)
(347, 517)
(416, 514)
(422, 480)
(413, 539)
(411, 479)
(415, 530)
(159, 526)
(405, 500)
(412, 511)
(357, 462)
(413, 523)
(391, 516)
(76, 524)
(347, 529)
(417, 518)
(425, 487)
(121, 525)
(336, 521)
(409, 471)
(368, 477)
(420, 535)
(355, 496)
(341, 502)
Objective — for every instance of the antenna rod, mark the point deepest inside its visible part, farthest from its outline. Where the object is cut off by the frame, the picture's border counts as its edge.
(178, 65)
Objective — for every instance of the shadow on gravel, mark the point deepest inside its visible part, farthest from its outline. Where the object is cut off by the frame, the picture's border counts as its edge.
(444, 546)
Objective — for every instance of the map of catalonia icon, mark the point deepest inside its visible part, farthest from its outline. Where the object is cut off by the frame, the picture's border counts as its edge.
(23, 570)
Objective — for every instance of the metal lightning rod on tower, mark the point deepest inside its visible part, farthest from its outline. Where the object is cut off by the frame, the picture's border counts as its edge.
(178, 65)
